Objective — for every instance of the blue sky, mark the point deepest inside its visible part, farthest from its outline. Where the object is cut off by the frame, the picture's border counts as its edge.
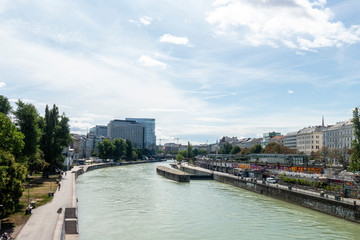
(203, 69)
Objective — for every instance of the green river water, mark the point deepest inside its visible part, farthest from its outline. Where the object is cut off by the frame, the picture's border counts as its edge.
(134, 202)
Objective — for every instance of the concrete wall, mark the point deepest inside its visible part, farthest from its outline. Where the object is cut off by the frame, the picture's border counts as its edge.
(335, 208)
(172, 174)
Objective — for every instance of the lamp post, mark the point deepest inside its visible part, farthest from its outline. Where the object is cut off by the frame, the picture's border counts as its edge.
(1, 206)
(28, 209)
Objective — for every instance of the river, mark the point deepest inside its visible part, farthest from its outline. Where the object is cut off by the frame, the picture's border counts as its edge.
(134, 202)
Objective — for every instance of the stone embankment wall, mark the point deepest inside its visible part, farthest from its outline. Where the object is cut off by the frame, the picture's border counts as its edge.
(173, 174)
(335, 208)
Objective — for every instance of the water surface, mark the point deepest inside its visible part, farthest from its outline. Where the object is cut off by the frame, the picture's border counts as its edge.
(134, 202)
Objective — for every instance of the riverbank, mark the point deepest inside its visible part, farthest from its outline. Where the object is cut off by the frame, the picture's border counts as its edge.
(53, 220)
(347, 209)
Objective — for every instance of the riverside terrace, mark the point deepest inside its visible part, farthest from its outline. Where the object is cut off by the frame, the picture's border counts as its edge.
(297, 172)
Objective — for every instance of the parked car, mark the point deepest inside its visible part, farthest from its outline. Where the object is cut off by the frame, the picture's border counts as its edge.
(271, 180)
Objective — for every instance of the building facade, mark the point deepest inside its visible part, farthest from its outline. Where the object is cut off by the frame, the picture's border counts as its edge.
(149, 131)
(339, 136)
(127, 129)
(310, 139)
(278, 139)
(267, 137)
(290, 140)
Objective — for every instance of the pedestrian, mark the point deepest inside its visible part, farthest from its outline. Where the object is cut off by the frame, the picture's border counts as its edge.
(65, 174)
(59, 187)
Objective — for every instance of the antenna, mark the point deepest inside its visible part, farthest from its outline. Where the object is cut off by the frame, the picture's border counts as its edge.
(323, 121)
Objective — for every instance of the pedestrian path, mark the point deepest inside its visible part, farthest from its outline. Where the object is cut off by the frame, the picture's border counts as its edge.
(45, 219)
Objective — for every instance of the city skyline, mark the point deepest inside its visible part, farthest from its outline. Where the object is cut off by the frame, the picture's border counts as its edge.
(203, 70)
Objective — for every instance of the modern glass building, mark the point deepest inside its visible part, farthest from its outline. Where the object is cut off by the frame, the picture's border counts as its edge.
(127, 129)
(149, 131)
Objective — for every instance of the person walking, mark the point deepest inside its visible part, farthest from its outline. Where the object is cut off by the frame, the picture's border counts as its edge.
(59, 187)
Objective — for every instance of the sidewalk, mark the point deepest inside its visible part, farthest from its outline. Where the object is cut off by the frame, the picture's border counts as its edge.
(43, 221)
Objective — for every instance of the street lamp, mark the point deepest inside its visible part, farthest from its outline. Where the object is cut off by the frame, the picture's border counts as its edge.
(28, 209)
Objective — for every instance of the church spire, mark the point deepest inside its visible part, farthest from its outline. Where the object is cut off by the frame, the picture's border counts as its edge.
(322, 121)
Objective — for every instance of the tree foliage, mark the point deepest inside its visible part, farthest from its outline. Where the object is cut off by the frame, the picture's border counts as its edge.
(129, 150)
(5, 106)
(28, 121)
(226, 148)
(256, 149)
(179, 158)
(119, 148)
(56, 136)
(235, 150)
(12, 175)
(355, 144)
(11, 139)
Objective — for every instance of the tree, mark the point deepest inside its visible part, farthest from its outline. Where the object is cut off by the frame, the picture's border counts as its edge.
(183, 153)
(56, 136)
(179, 158)
(128, 150)
(273, 147)
(11, 139)
(190, 152)
(28, 121)
(134, 155)
(235, 150)
(355, 144)
(108, 149)
(226, 148)
(256, 149)
(119, 148)
(5, 106)
(12, 175)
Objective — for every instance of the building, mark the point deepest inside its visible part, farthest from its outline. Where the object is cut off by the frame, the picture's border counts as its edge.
(128, 130)
(278, 139)
(267, 137)
(149, 131)
(171, 147)
(310, 139)
(100, 131)
(339, 136)
(290, 140)
(248, 142)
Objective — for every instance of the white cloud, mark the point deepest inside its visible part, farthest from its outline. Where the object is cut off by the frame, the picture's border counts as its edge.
(290, 91)
(146, 20)
(142, 21)
(168, 38)
(2, 84)
(150, 62)
(300, 24)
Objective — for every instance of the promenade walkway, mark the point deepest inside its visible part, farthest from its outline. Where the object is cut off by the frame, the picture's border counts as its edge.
(44, 220)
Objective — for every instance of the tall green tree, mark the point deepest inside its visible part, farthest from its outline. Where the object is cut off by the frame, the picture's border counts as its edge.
(256, 149)
(5, 106)
(108, 149)
(11, 140)
(235, 150)
(56, 136)
(119, 148)
(355, 144)
(190, 152)
(12, 173)
(28, 121)
(129, 150)
(226, 148)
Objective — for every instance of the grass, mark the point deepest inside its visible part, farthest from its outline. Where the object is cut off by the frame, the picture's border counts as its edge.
(36, 189)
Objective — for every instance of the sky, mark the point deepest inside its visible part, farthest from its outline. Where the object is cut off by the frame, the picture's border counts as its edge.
(203, 69)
